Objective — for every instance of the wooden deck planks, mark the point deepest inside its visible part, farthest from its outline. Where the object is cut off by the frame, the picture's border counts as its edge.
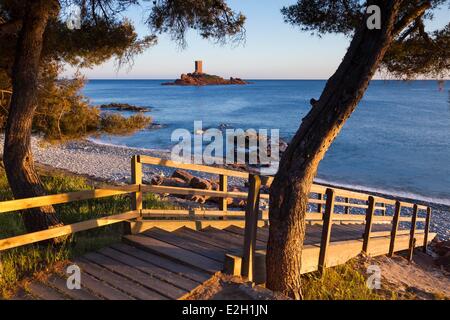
(170, 265)
(188, 233)
(135, 282)
(231, 237)
(175, 253)
(260, 235)
(60, 284)
(43, 292)
(197, 247)
(120, 283)
(151, 270)
(159, 264)
(102, 289)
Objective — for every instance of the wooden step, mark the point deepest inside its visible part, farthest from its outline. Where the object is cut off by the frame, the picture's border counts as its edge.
(232, 237)
(240, 231)
(175, 253)
(177, 268)
(171, 278)
(41, 291)
(200, 236)
(129, 288)
(102, 289)
(61, 285)
(191, 245)
(149, 288)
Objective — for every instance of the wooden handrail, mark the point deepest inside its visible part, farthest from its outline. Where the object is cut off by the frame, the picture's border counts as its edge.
(196, 192)
(315, 188)
(29, 203)
(57, 232)
(192, 167)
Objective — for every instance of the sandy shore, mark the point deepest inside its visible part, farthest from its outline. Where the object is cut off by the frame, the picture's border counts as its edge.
(112, 163)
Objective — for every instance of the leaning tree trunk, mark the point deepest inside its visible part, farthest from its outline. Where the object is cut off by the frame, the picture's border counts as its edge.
(298, 166)
(17, 156)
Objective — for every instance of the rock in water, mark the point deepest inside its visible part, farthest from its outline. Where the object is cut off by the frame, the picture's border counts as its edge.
(124, 107)
(193, 79)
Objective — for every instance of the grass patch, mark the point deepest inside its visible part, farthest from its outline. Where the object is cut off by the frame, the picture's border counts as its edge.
(19, 263)
(344, 282)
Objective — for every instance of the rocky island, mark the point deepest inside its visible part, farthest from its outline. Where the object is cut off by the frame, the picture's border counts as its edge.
(198, 78)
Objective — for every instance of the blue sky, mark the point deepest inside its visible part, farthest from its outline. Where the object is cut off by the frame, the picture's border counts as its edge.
(272, 50)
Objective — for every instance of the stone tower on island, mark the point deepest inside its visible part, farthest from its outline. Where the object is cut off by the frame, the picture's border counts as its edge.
(198, 67)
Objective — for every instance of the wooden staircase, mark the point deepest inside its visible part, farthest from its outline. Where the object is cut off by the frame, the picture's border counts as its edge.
(159, 264)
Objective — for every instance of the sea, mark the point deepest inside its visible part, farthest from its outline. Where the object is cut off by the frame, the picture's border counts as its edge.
(396, 142)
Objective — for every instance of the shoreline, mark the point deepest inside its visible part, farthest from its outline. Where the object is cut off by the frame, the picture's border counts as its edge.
(111, 163)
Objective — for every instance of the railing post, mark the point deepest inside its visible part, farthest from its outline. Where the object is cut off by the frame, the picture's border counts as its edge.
(427, 230)
(369, 218)
(136, 178)
(251, 225)
(347, 208)
(412, 239)
(395, 220)
(319, 206)
(223, 186)
(326, 229)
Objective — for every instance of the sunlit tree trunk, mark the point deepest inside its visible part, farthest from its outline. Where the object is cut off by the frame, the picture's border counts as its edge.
(298, 166)
(17, 157)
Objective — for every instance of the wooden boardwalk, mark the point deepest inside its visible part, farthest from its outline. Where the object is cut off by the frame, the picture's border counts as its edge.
(168, 254)
(159, 264)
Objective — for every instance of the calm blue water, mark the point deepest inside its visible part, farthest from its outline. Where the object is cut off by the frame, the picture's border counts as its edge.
(398, 139)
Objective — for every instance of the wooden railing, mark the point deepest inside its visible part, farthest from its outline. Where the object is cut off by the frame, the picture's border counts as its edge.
(29, 203)
(324, 203)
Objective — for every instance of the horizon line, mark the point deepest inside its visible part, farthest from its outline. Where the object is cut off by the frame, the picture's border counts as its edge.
(264, 79)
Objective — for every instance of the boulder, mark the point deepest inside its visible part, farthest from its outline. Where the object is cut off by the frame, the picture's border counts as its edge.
(200, 183)
(175, 182)
(198, 199)
(183, 175)
(219, 200)
(124, 107)
(156, 181)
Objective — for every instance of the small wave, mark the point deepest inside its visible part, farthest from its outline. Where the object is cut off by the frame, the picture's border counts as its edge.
(102, 143)
(393, 193)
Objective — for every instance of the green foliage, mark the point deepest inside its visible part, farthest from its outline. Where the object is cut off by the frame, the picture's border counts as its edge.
(104, 33)
(21, 262)
(420, 53)
(114, 123)
(414, 52)
(211, 18)
(325, 16)
(64, 113)
(344, 282)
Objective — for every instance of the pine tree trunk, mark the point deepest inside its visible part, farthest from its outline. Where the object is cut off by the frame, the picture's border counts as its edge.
(298, 166)
(17, 156)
